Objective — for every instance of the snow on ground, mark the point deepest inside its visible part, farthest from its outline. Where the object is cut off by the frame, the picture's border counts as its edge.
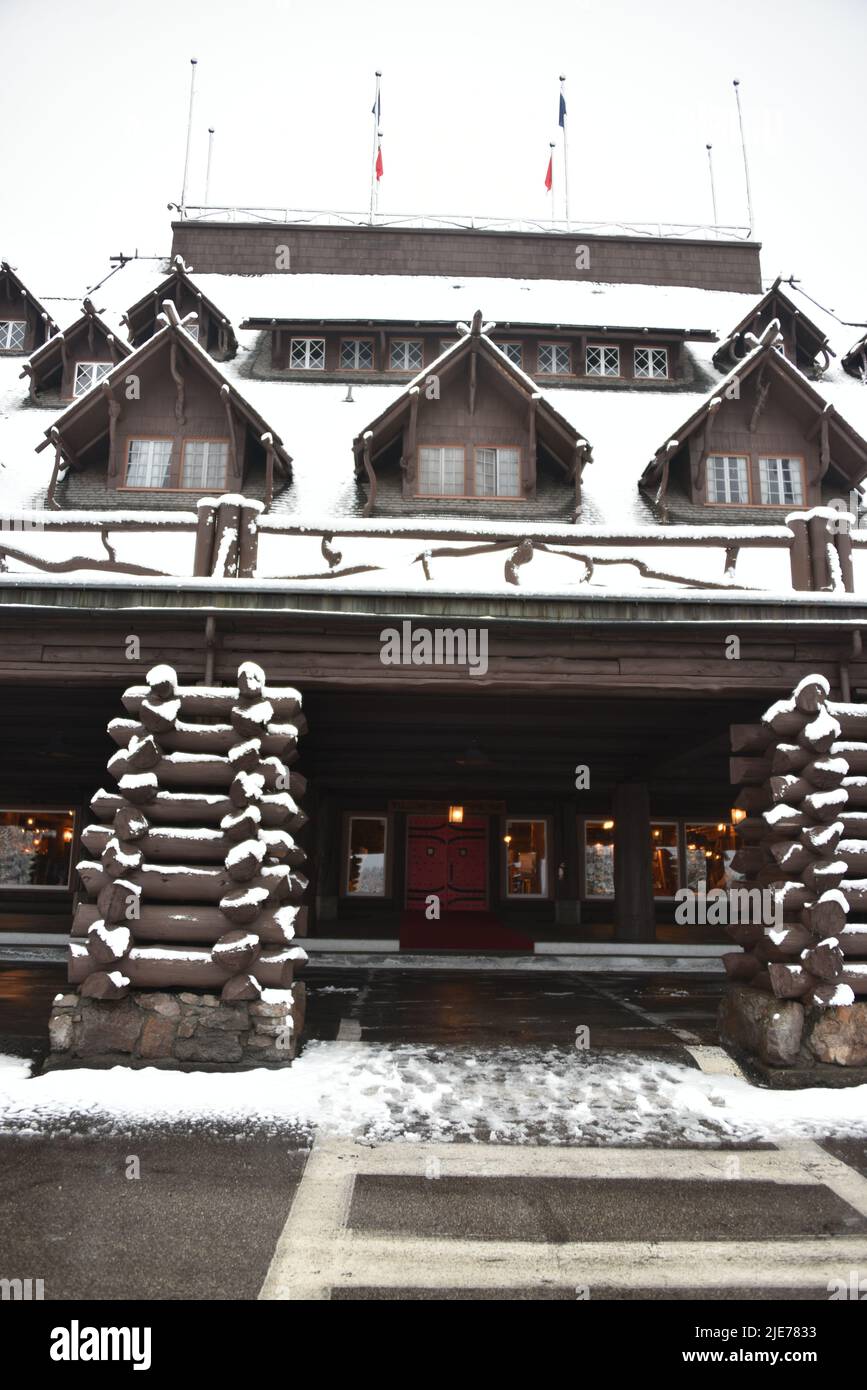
(373, 1092)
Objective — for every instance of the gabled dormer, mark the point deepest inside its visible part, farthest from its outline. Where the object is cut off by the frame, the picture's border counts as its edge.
(764, 441)
(161, 429)
(75, 360)
(855, 360)
(802, 342)
(212, 328)
(471, 434)
(24, 323)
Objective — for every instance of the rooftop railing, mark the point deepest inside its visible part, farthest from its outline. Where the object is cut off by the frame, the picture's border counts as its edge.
(461, 222)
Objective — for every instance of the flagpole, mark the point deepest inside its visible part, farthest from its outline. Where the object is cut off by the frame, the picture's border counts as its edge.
(709, 149)
(736, 84)
(373, 188)
(563, 119)
(193, 63)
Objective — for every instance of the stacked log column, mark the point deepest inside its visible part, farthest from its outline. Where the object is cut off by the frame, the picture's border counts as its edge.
(196, 879)
(805, 840)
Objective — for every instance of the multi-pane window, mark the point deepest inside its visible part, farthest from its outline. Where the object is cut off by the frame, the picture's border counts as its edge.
(554, 359)
(603, 360)
(193, 330)
(526, 858)
(307, 354)
(35, 848)
(446, 343)
(651, 362)
(664, 859)
(599, 859)
(356, 354)
(515, 353)
(441, 470)
(12, 335)
(709, 853)
(405, 354)
(781, 481)
(148, 462)
(727, 478)
(365, 867)
(204, 463)
(498, 472)
(87, 374)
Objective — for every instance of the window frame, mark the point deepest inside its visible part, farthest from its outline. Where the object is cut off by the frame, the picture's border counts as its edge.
(73, 850)
(583, 822)
(497, 496)
(206, 487)
(517, 343)
(88, 362)
(393, 342)
(306, 367)
(778, 458)
(557, 345)
(176, 457)
(603, 348)
(447, 496)
(717, 502)
(511, 819)
(148, 439)
(678, 846)
(346, 846)
(356, 343)
(650, 349)
(10, 324)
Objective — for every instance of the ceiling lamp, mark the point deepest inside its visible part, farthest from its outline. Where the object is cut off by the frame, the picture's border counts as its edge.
(456, 815)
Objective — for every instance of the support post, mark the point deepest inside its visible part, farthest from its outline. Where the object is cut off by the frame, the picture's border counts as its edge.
(633, 887)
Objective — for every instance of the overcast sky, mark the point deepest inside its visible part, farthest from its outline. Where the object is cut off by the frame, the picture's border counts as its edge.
(94, 98)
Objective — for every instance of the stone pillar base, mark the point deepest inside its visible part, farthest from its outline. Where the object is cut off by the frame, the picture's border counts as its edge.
(187, 1031)
(782, 1033)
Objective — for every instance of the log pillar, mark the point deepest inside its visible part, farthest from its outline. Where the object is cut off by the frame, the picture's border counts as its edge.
(633, 888)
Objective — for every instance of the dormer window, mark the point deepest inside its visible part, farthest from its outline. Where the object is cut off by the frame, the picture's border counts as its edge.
(193, 330)
(651, 362)
(603, 360)
(204, 464)
(498, 472)
(728, 479)
(554, 359)
(148, 463)
(781, 482)
(441, 470)
(307, 354)
(356, 354)
(12, 333)
(87, 375)
(405, 354)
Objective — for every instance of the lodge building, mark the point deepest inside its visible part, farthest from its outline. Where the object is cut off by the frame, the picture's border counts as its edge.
(631, 480)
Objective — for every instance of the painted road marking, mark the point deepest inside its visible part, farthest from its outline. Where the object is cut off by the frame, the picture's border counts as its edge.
(317, 1250)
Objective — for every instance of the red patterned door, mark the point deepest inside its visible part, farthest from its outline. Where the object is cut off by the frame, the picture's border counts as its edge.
(450, 861)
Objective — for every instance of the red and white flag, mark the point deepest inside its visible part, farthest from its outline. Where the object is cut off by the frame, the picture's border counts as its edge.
(379, 165)
(549, 175)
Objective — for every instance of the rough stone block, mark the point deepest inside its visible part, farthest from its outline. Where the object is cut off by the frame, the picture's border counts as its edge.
(838, 1035)
(753, 1021)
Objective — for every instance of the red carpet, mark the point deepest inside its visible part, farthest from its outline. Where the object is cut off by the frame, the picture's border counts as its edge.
(459, 931)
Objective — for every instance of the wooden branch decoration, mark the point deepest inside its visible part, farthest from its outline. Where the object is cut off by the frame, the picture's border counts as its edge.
(521, 556)
(178, 380)
(371, 475)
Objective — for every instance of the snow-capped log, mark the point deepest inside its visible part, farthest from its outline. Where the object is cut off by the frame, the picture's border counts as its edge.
(158, 716)
(825, 961)
(187, 883)
(236, 951)
(179, 844)
(280, 740)
(740, 965)
(162, 682)
(278, 809)
(196, 923)
(217, 701)
(104, 984)
(108, 944)
(794, 981)
(186, 967)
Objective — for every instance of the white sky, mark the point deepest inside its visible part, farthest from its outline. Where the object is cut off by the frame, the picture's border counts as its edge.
(94, 98)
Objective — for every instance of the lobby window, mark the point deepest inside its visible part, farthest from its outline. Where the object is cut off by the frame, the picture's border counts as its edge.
(441, 471)
(781, 481)
(665, 859)
(405, 355)
(727, 479)
(12, 333)
(554, 359)
(526, 844)
(148, 463)
(651, 362)
(307, 354)
(204, 464)
(36, 848)
(498, 472)
(88, 375)
(709, 851)
(356, 354)
(599, 858)
(365, 866)
(603, 360)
